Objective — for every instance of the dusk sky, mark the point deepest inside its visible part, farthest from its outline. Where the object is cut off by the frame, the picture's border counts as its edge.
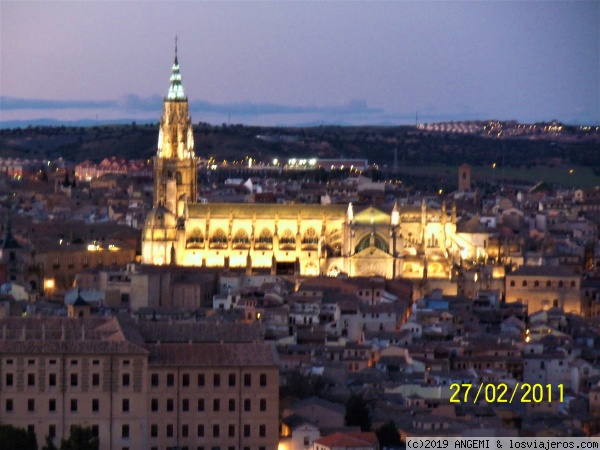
(294, 63)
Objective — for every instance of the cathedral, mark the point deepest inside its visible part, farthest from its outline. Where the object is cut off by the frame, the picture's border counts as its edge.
(309, 240)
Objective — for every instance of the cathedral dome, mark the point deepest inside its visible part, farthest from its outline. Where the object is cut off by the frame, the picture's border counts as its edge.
(160, 218)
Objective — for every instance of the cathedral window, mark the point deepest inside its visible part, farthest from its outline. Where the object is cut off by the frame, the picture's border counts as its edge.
(219, 238)
(241, 239)
(378, 242)
(287, 237)
(310, 236)
(265, 238)
(195, 239)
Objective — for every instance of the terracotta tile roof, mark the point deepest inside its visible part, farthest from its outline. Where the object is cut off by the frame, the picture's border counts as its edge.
(212, 355)
(199, 332)
(349, 440)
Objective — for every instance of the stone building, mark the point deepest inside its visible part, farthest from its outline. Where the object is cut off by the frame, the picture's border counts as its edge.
(409, 241)
(145, 386)
(544, 287)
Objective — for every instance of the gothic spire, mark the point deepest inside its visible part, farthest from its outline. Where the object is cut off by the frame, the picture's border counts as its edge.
(176, 88)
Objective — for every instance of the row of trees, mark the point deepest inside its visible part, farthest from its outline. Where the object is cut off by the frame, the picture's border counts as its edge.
(81, 438)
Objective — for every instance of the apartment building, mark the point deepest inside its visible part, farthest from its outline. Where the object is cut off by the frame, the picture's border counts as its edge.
(140, 386)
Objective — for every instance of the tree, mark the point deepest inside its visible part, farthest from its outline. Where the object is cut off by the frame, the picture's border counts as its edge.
(357, 413)
(12, 438)
(80, 438)
(388, 435)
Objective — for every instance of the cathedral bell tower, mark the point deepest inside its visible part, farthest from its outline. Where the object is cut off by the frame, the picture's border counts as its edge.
(175, 166)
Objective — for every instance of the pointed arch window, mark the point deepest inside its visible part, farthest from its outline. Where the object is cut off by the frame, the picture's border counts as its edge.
(195, 239)
(241, 239)
(265, 239)
(218, 239)
(310, 236)
(287, 238)
(378, 242)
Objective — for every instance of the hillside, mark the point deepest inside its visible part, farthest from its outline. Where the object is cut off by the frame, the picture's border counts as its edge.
(377, 144)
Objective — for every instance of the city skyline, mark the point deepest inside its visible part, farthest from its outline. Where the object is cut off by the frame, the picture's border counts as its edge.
(297, 63)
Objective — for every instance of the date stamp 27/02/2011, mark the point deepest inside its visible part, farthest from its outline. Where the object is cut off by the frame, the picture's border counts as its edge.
(502, 393)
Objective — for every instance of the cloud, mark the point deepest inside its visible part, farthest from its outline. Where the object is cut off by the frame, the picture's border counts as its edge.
(15, 103)
(136, 103)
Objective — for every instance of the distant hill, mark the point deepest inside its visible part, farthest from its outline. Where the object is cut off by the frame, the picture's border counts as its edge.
(378, 144)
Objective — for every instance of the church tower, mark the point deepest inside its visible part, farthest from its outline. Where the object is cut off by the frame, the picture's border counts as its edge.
(175, 166)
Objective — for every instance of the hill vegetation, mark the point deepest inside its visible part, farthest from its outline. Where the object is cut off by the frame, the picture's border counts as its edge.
(415, 148)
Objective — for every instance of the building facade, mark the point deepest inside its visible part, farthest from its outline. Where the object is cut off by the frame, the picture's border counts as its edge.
(409, 241)
(148, 386)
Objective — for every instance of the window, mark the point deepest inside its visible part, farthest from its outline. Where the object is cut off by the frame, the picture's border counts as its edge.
(200, 431)
(170, 430)
(263, 404)
(51, 431)
(95, 379)
(52, 379)
(185, 379)
(154, 379)
(185, 431)
(95, 430)
(231, 431)
(246, 430)
(30, 379)
(232, 379)
(9, 405)
(125, 431)
(247, 379)
(231, 404)
(216, 380)
(561, 283)
(263, 379)
(154, 404)
(262, 430)
(153, 430)
(216, 404)
(247, 405)
(30, 404)
(572, 284)
(73, 405)
(125, 379)
(74, 380)
(169, 404)
(170, 379)
(95, 405)
(125, 405)
(185, 405)
(548, 283)
(52, 405)
(201, 380)
(512, 283)
(216, 430)
(9, 379)
(524, 283)
(536, 283)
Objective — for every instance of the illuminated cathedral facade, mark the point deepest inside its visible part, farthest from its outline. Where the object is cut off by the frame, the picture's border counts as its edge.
(311, 240)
